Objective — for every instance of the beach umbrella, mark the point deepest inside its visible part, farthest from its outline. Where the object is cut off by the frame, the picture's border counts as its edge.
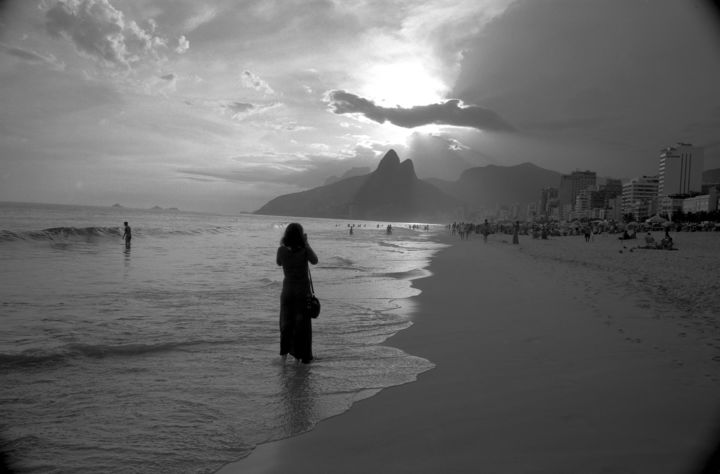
(655, 220)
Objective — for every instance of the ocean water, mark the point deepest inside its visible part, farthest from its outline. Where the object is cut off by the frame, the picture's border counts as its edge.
(163, 358)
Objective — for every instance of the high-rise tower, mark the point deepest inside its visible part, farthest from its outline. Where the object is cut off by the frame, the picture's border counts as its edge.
(681, 169)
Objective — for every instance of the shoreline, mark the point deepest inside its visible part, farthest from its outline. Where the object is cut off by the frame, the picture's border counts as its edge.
(540, 366)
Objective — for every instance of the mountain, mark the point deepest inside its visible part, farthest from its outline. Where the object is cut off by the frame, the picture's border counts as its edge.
(711, 176)
(391, 192)
(490, 186)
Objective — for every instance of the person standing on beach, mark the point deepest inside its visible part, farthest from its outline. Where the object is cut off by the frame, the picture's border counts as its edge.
(516, 231)
(127, 235)
(293, 255)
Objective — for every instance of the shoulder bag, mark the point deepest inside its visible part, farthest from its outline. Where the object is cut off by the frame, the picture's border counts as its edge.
(312, 307)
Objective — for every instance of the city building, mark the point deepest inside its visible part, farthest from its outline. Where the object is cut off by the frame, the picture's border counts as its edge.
(681, 169)
(706, 202)
(611, 189)
(548, 201)
(571, 185)
(565, 193)
(639, 197)
(669, 205)
(583, 202)
(613, 210)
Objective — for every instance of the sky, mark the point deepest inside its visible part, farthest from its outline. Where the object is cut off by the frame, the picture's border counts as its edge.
(222, 105)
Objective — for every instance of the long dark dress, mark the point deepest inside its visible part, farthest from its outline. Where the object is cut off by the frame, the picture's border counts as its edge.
(295, 326)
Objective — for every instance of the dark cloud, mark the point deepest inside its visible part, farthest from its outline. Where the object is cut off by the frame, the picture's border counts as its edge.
(168, 77)
(568, 123)
(239, 107)
(595, 68)
(450, 112)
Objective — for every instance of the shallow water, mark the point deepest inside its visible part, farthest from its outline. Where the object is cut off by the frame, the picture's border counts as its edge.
(163, 357)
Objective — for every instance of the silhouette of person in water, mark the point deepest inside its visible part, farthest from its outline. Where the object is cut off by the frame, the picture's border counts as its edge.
(293, 255)
(127, 235)
(516, 231)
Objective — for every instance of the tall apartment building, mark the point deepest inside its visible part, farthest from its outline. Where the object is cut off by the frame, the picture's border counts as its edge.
(598, 196)
(612, 188)
(681, 169)
(572, 184)
(548, 200)
(565, 192)
(639, 196)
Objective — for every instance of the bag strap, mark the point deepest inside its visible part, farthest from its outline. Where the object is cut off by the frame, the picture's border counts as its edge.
(312, 290)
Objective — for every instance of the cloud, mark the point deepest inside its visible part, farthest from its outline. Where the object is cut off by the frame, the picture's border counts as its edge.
(30, 56)
(203, 14)
(296, 171)
(100, 31)
(617, 75)
(252, 81)
(450, 112)
(239, 107)
(182, 45)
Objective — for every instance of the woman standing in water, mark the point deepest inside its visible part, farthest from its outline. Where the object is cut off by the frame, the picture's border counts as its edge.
(293, 255)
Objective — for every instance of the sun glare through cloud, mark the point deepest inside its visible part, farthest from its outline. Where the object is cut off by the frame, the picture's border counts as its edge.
(405, 84)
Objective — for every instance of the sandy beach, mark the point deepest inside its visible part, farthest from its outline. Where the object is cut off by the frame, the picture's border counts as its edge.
(552, 356)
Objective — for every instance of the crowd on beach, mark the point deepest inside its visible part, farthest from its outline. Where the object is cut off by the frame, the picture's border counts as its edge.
(464, 230)
(388, 228)
(588, 230)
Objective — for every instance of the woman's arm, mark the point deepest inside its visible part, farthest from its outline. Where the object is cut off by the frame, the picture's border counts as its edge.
(312, 258)
(278, 257)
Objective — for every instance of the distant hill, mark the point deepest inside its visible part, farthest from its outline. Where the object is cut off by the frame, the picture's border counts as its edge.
(711, 176)
(391, 192)
(394, 192)
(492, 185)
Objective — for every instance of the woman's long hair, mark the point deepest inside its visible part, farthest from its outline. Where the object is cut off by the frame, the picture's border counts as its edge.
(294, 236)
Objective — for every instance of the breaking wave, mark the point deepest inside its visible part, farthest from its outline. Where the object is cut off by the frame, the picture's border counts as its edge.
(61, 355)
(89, 234)
(61, 233)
